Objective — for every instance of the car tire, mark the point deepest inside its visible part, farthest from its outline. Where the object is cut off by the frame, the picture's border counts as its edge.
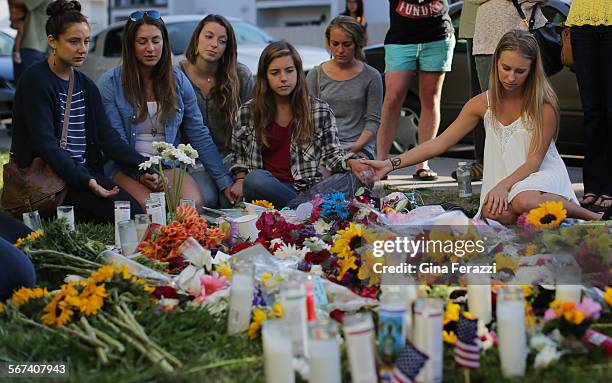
(407, 130)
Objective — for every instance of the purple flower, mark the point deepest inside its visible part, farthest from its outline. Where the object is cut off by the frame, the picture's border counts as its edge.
(589, 308)
(550, 315)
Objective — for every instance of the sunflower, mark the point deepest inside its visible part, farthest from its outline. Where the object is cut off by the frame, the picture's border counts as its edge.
(30, 237)
(263, 203)
(91, 298)
(103, 274)
(366, 271)
(346, 264)
(58, 312)
(548, 215)
(503, 261)
(530, 250)
(24, 294)
(350, 239)
(451, 314)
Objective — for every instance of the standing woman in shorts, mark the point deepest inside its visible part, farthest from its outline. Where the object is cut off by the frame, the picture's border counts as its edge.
(419, 40)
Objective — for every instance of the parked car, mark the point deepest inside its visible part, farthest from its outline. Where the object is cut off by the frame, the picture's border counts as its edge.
(105, 47)
(456, 93)
(7, 90)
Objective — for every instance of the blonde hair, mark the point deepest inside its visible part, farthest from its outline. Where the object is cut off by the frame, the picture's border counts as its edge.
(351, 27)
(537, 91)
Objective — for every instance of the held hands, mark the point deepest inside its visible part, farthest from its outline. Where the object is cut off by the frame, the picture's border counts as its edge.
(234, 193)
(152, 181)
(101, 191)
(380, 168)
(362, 171)
(497, 199)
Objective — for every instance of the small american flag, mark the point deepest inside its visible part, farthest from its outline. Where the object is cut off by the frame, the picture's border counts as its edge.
(408, 364)
(467, 349)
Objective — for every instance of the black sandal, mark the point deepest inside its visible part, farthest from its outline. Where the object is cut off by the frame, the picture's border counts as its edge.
(430, 177)
(598, 207)
(593, 198)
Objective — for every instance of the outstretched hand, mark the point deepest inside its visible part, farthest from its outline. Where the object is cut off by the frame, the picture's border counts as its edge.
(381, 168)
(100, 191)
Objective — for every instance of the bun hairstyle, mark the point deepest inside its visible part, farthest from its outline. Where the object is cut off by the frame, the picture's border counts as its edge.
(62, 13)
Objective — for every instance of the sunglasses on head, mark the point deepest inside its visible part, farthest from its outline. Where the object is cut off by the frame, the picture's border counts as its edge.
(152, 14)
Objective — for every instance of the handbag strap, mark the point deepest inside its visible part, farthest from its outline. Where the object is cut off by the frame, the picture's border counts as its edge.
(64, 139)
(529, 24)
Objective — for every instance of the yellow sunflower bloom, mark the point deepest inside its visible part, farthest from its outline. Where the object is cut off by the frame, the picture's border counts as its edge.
(19, 243)
(103, 274)
(548, 215)
(350, 238)
(60, 304)
(259, 316)
(24, 294)
(574, 316)
(346, 264)
(608, 296)
(449, 337)
(263, 203)
(530, 250)
(468, 315)
(556, 305)
(366, 270)
(506, 262)
(527, 290)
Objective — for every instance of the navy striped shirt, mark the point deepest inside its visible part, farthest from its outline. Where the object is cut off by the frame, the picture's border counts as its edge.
(76, 127)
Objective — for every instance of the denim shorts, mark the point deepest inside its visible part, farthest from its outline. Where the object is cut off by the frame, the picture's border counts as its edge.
(435, 56)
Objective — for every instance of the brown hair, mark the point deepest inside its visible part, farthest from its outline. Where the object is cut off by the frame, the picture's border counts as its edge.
(61, 14)
(226, 92)
(264, 104)
(351, 27)
(537, 90)
(164, 82)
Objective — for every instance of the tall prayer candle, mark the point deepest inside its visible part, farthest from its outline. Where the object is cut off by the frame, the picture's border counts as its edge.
(278, 359)
(479, 296)
(241, 298)
(359, 334)
(293, 302)
(122, 213)
(427, 337)
(324, 353)
(511, 332)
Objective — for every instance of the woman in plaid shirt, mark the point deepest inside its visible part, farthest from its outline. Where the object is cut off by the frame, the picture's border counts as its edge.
(282, 136)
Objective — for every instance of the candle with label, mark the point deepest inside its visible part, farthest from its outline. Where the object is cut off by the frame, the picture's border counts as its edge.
(161, 198)
(359, 335)
(154, 209)
(293, 301)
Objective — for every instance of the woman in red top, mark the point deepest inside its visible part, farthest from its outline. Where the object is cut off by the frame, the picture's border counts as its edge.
(283, 135)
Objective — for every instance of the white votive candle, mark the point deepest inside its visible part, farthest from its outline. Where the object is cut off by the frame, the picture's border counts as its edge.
(122, 213)
(293, 302)
(359, 335)
(324, 353)
(427, 337)
(278, 359)
(479, 297)
(511, 332)
(241, 299)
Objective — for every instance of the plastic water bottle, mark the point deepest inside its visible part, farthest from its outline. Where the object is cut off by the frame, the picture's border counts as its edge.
(464, 179)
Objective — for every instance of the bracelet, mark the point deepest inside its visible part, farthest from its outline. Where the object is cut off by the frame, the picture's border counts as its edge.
(238, 178)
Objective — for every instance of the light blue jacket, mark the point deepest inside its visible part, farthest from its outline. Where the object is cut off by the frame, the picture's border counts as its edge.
(188, 121)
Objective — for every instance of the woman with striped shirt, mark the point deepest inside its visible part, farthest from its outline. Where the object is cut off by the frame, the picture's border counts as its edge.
(38, 117)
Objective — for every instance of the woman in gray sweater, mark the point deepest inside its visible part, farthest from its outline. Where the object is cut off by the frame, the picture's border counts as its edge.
(352, 88)
(222, 84)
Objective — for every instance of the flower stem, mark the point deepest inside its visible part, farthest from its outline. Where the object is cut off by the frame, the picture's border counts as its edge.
(224, 363)
(64, 256)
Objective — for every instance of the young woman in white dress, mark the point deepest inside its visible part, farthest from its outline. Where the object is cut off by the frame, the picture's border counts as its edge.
(521, 118)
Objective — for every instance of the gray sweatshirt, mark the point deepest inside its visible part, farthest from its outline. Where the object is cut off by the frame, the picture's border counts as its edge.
(356, 102)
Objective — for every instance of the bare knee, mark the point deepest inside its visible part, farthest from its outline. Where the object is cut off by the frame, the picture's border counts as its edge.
(506, 217)
(521, 203)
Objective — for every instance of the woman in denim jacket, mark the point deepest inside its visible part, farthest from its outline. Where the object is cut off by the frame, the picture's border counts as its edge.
(143, 108)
